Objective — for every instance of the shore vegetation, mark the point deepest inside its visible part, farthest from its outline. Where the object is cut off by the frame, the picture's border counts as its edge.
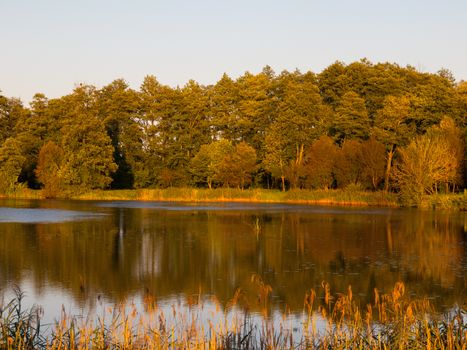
(377, 127)
(328, 321)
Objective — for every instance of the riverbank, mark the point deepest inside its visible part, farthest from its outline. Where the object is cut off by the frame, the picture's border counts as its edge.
(331, 197)
(318, 197)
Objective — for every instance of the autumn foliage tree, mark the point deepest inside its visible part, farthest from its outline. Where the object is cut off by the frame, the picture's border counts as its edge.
(348, 164)
(426, 163)
(373, 162)
(319, 163)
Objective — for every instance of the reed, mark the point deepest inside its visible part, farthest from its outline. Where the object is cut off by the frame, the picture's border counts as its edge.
(343, 197)
(329, 197)
(393, 321)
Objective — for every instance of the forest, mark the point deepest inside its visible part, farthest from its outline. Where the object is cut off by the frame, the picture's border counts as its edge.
(364, 125)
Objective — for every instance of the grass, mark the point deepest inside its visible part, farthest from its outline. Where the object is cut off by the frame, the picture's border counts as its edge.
(446, 201)
(393, 321)
(338, 197)
(344, 197)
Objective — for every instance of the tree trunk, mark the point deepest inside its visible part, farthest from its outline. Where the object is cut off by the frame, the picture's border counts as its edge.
(283, 183)
(388, 168)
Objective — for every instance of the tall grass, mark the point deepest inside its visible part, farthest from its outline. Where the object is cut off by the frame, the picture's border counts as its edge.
(392, 321)
(446, 201)
(341, 197)
(345, 197)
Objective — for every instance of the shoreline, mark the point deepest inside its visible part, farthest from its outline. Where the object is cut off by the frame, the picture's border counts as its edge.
(334, 197)
(222, 195)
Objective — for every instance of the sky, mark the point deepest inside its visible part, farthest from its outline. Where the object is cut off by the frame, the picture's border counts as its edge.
(50, 46)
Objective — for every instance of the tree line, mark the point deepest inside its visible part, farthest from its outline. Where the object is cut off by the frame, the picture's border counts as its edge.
(369, 126)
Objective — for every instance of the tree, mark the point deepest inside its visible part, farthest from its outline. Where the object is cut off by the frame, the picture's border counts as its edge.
(11, 161)
(351, 119)
(206, 166)
(32, 131)
(224, 100)
(276, 156)
(425, 163)
(373, 161)
(333, 83)
(392, 128)
(88, 154)
(49, 169)
(237, 167)
(255, 106)
(347, 164)
(299, 122)
(117, 106)
(11, 110)
(450, 133)
(158, 107)
(319, 163)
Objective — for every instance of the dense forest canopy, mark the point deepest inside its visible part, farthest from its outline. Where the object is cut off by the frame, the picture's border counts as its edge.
(374, 126)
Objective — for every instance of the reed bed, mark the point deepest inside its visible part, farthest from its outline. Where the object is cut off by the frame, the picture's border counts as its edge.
(328, 321)
(339, 197)
(343, 197)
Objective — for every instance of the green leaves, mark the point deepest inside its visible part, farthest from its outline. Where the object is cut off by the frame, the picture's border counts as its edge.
(88, 154)
(164, 136)
(11, 161)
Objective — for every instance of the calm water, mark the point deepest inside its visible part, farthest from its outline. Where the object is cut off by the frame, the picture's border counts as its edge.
(77, 254)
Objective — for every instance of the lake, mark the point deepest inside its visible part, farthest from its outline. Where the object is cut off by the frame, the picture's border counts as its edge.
(84, 254)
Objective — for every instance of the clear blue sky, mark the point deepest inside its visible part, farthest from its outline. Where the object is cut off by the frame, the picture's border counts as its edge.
(50, 45)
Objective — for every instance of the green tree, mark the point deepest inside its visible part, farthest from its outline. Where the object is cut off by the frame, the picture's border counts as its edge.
(224, 104)
(255, 106)
(333, 83)
(185, 128)
(351, 119)
(11, 161)
(206, 167)
(117, 106)
(238, 165)
(32, 131)
(392, 128)
(49, 169)
(88, 154)
(11, 110)
(299, 122)
(276, 156)
(158, 107)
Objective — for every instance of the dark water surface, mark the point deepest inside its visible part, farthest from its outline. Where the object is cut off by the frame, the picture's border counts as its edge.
(78, 253)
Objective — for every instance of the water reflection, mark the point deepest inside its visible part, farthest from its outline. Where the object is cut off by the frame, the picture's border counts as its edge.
(137, 250)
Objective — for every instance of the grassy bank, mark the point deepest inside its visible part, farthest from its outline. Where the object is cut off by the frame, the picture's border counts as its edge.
(330, 197)
(328, 321)
(446, 201)
(337, 197)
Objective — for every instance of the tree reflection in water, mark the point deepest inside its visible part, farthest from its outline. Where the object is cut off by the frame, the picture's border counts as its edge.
(133, 252)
